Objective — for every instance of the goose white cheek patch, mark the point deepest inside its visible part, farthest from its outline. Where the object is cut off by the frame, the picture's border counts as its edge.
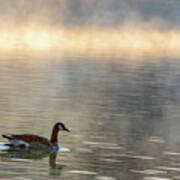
(60, 127)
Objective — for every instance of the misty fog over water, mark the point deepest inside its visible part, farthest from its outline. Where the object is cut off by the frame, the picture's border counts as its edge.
(103, 13)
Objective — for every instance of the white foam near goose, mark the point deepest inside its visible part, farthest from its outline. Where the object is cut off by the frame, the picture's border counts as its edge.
(64, 149)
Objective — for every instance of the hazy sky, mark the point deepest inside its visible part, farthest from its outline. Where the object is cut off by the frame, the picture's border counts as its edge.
(105, 13)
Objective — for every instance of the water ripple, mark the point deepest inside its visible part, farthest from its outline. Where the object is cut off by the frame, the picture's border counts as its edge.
(156, 139)
(104, 145)
(105, 178)
(82, 172)
(168, 168)
(148, 171)
(99, 143)
(138, 157)
(172, 153)
(155, 178)
(111, 160)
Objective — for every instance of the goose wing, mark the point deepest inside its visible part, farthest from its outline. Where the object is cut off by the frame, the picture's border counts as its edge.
(27, 139)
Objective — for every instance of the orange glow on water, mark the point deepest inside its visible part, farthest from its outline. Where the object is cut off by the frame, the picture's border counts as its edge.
(127, 42)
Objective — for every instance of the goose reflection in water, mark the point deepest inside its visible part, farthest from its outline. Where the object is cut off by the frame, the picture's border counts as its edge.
(12, 155)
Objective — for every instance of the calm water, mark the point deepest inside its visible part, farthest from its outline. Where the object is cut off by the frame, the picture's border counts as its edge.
(123, 115)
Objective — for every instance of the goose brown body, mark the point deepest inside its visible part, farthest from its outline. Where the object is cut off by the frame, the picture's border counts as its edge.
(35, 141)
(29, 138)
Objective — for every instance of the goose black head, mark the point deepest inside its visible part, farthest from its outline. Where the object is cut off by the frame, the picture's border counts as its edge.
(62, 127)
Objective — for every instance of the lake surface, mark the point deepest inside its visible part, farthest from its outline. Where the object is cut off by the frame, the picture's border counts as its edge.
(123, 115)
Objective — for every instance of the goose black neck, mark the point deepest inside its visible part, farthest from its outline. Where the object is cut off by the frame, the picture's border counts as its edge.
(54, 135)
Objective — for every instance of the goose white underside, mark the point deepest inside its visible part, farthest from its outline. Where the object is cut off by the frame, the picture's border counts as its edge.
(6, 146)
(16, 142)
(3, 146)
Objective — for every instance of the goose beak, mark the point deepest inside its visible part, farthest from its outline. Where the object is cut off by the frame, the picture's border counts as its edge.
(65, 129)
